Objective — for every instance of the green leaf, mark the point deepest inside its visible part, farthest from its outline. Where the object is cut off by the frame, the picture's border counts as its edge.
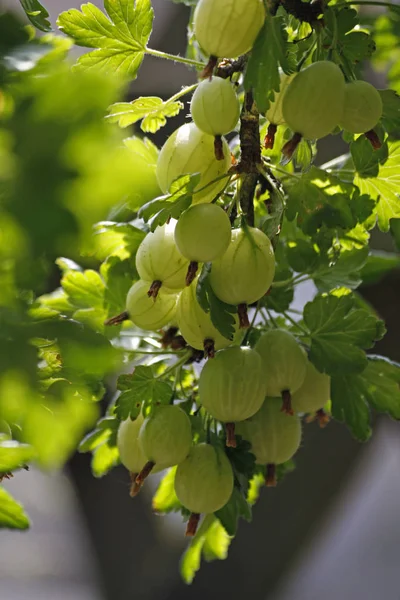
(221, 314)
(37, 14)
(382, 380)
(302, 256)
(165, 499)
(279, 298)
(345, 272)
(212, 540)
(320, 199)
(391, 110)
(14, 455)
(12, 514)
(173, 204)
(105, 457)
(119, 40)
(384, 187)
(340, 333)
(84, 290)
(349, 405)
(377, 386)
(378, 265)
(141, 386)
(153, 110)
(236, 508)
(271, 50)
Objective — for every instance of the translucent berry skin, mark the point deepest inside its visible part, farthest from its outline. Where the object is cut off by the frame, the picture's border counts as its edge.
(194, 323)
(149, 313)
(284, 362)
(314, 393)
(362, 107)
(232, 386)
(314, 100)
(228, 28)
(166, 436)
(246, 270)
(189, 150)
(274, 113)
(274, 436)
(204, 481)
(215, 107)
(158, 259)
(130, 452)
(203, 232)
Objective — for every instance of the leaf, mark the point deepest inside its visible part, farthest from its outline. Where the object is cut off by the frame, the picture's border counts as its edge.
(345, 272)
(271, 50)
(37, 14)
(350, 407)
(279, 298)
(378, 265)
(377, 386)
(212, 540)
(229, 514)
(14, 455)
(12, 514)
(154, 112)
(84, 290)
(384, 187)
(105, 457)
(340, 333)
(221, 314)
(391, 110)
(320, 198)
(119, 40)
(165, 499)
(140, 387)
(173, 204)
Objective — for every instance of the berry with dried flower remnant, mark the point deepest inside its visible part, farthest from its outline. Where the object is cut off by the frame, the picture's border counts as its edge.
(274, 437)
(130, 452)
(202, 234)
(165, 439)
(362, 107)
(313, 103)
(244, 273)
(215, 106)
(196, 325)
(314, 392)
(158, 260)
(284, 363)
(187, 151)
(203, 482)
(232, 387)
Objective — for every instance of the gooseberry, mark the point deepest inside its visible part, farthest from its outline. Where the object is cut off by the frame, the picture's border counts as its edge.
(189, 150)
(313, 102)
(232, 387)
(215, 106)
(362, 107)
(284, 363)
(228, 28)
(158, 260)
(274, 437)
(202, 234)
(149, 313)
(244, 273)
(203, 482)
(314, 392)
(165, 438)
(196, 325)
(274, 113)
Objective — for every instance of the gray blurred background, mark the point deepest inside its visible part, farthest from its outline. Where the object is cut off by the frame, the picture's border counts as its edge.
(331, 530)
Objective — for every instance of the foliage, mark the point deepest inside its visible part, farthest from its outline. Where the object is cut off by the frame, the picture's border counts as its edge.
(77, 198)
